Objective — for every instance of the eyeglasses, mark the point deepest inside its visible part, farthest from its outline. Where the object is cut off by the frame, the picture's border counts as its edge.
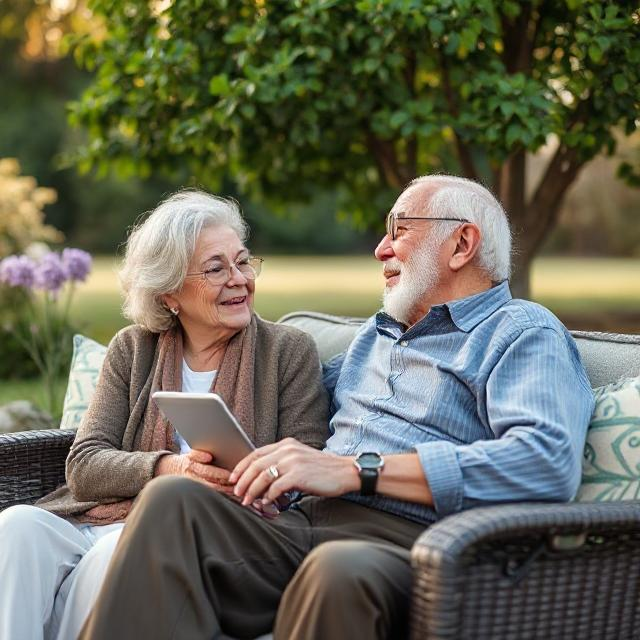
(392, 222)
(221, 272)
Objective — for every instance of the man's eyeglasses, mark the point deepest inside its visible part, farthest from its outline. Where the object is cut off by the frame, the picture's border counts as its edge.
(392, 222)
(221, 272)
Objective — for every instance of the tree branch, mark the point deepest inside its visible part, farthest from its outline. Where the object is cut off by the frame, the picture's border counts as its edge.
(496, 177)
(410, 168)
(560, 173)
(518, 36)
(512, 181)
(542, 211)
(410, 72)
(464, 153)
(386, 159)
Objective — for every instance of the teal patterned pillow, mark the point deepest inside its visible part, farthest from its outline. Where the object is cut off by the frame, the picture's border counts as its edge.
(611, 465)
(83, 375)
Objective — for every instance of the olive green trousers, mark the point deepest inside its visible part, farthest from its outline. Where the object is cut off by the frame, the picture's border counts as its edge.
(193, 564)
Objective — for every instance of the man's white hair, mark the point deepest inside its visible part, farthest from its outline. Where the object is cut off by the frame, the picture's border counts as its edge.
(461, 198)
(159, 249)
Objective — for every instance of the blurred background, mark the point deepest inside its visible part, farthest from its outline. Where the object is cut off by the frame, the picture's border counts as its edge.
(317, 240)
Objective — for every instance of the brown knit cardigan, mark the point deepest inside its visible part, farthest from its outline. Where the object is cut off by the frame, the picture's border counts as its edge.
(104, 463)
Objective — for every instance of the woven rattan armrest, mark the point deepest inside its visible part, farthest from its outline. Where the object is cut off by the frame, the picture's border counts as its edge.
(530, 572)
(32, 464)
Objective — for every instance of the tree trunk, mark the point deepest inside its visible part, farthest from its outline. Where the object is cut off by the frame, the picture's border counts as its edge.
(520, 283)
(540, 215)
(510, 188)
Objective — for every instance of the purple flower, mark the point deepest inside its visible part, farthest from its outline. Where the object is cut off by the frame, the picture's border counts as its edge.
(17, 271)
(77, 263)
(50, 273)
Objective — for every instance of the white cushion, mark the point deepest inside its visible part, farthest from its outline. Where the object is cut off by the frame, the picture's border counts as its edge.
(86, 363)
(611, 465)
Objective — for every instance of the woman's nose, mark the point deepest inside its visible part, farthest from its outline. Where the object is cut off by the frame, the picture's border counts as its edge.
(236, 277)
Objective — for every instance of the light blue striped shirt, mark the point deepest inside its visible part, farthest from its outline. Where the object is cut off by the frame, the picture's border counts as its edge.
(488, 390)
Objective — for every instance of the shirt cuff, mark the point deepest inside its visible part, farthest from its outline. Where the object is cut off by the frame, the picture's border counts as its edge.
(444, 476)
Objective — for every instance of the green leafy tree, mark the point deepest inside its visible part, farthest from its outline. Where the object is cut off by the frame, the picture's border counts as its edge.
(291, 95)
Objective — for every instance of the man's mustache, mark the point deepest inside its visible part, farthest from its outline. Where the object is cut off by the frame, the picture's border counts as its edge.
(391, 267)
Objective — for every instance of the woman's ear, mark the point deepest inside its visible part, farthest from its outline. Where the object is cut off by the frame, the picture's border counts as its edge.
(468, 238)
(169, 301)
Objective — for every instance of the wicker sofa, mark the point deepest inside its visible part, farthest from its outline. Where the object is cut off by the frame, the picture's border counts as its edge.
(519, 572)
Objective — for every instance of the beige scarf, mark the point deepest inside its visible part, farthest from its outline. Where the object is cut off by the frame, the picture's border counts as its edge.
(234, 383)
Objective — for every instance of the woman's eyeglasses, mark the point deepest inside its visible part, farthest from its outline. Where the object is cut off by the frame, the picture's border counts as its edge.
(221, 272)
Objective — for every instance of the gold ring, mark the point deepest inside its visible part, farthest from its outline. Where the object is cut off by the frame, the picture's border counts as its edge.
(273, 471)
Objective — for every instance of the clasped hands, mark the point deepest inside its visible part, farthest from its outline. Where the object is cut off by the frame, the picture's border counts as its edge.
(253, 481)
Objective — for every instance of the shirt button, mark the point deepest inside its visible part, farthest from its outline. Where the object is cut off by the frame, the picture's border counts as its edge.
(404, 343)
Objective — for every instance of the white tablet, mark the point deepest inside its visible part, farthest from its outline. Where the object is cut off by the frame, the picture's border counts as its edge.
(206, 423)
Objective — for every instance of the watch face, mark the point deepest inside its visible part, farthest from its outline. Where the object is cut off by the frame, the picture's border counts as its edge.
(369, 461)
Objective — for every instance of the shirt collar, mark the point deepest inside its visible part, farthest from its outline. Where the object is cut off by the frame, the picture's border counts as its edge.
(386, 324)
(466, 313)
(469, 312)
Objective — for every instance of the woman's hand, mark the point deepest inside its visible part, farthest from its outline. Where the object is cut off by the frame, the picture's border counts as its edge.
(197, 466)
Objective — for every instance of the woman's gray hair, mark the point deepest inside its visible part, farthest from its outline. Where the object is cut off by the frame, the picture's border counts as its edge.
(461, 198)
(160, 247)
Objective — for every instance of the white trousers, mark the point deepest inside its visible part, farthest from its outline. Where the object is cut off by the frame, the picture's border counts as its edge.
(50, 572)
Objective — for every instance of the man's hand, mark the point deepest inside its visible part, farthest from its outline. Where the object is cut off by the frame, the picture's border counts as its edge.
(195, 465)
(299, 467)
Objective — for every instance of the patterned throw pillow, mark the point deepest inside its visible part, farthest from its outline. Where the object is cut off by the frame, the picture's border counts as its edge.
(85, 367)
(611, 465)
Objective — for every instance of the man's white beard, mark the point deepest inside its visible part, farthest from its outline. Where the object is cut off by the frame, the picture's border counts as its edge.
(419, 274)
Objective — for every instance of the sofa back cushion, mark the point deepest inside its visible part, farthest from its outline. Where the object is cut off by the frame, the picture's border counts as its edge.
(607, 357)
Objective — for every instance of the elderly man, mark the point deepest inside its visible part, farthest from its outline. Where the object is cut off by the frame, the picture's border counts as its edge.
(448, 399)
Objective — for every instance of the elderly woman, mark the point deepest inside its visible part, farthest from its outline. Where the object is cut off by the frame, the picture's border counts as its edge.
(189, 283)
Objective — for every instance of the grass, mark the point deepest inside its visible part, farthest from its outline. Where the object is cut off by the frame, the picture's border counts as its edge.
(585, 293)
(589, 285)
(352, 285)
(31, 390)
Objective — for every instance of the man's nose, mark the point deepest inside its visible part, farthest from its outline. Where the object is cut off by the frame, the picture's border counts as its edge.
(384, 250)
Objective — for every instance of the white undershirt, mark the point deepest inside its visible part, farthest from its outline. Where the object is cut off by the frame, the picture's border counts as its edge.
(194, 382)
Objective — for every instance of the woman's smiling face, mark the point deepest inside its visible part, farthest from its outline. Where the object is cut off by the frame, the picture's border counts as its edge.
(203, 304)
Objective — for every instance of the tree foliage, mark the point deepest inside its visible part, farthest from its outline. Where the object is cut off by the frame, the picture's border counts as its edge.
(289, 95)
(39, 78)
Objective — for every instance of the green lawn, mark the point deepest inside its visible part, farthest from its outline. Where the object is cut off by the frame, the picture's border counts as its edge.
(585, 293)
(29, 390)
(352, 286)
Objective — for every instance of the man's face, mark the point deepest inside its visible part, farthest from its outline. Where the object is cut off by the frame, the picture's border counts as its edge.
(413, 262)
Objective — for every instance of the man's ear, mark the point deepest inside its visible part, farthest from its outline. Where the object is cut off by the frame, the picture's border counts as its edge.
(467, 238)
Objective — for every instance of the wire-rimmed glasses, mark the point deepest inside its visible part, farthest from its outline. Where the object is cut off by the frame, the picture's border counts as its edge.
(221, 272)
(392, 222)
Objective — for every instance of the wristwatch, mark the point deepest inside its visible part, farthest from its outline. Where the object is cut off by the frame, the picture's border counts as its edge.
(368, 464)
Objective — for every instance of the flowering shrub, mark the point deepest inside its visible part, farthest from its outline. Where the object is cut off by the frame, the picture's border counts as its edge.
(47, 286)
(21, 205)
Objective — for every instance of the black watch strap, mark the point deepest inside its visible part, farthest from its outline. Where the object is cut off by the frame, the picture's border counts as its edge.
(368, 481)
